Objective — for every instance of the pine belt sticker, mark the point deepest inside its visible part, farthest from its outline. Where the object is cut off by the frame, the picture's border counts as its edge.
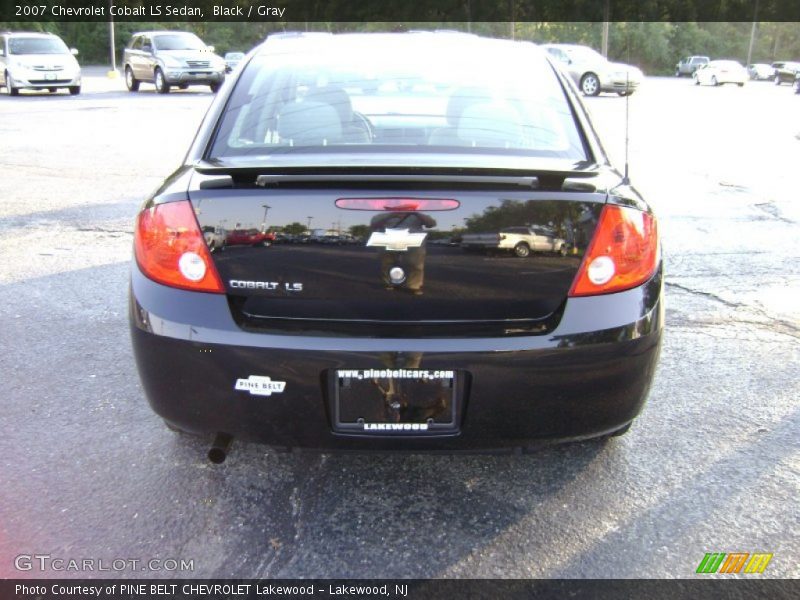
(260, 386)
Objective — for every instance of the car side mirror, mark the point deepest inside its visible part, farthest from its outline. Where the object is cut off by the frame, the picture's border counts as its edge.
(210, 48)
(73, 51)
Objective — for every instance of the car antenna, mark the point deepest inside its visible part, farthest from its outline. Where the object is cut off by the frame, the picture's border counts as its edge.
(625, 179)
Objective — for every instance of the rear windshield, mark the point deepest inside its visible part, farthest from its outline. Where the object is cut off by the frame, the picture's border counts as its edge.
(399, 95)
(726, 64)
(36, 45)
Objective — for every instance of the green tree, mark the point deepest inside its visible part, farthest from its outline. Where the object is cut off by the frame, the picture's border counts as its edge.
(359, 231)
(294, 228)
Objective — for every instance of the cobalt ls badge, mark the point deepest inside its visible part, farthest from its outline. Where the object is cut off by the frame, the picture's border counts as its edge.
(260, 386)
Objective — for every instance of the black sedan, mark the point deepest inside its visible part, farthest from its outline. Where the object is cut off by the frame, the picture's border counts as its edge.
(394, 342)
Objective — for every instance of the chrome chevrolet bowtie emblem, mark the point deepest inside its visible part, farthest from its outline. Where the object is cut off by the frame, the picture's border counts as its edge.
(396, 240)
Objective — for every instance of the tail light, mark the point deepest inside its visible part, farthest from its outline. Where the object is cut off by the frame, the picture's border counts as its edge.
(170, 248)
(623, 253)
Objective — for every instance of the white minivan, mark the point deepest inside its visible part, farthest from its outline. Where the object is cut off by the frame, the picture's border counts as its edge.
(39, 61)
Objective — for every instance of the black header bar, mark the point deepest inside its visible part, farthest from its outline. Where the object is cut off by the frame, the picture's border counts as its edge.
(430, 11)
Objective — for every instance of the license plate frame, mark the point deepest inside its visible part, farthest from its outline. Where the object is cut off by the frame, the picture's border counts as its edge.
(365, 401)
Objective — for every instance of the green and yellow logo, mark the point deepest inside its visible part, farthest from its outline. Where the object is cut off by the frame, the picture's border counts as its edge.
(733, 562)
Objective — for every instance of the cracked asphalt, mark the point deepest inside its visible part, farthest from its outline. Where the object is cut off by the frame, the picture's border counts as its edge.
(712, 464)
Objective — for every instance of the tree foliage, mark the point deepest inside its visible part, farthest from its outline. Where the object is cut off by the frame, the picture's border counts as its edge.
(653, 46)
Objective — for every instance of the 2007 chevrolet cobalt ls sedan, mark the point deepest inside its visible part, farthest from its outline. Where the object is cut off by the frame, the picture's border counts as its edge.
(396, 336)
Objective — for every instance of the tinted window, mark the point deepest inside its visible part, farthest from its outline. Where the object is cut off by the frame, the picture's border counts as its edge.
(399, 94)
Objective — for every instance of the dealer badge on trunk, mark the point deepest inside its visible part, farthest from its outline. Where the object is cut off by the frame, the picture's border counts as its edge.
(260, 386)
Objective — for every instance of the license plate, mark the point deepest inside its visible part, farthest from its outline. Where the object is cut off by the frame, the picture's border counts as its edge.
(202, 75)
(50, 76)
(396, 402)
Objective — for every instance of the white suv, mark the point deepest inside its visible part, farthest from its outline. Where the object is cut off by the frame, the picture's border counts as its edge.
(39, 61)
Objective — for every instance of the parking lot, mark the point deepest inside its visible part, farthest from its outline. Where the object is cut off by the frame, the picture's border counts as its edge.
(712, 465)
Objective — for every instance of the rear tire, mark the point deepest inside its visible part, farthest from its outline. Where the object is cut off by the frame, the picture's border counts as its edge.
(183, 86)
(74, 90)
(162, 87)
(180, 431)
(714, 81)
(130, 81)
(522, 250)
(215, 87)
(621, 431)
(52, 90)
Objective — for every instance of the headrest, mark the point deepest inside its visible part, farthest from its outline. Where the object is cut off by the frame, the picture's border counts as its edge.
(490, 124)
(336, 97)
(309, 124)
(461, 99)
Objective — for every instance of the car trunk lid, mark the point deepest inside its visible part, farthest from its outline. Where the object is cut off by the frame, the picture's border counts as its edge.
(382, 255)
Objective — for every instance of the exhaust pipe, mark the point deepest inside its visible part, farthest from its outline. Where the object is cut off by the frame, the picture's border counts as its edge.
(219, 449)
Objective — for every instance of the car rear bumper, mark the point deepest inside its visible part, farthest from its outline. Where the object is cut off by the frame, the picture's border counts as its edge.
(588, 377)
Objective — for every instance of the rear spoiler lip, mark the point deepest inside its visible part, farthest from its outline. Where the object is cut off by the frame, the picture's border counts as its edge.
(582, 169)
(531, 182)
(574, 179)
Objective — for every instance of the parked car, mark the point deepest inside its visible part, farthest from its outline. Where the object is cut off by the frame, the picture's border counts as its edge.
(37, 61)
(522, 241)
(167, 58)
(249, 237)
(718, 72)
(688, 65)
(593, 73)
(760, 72)
(392, 345)
(232, 60)
(216, 238)
(784, 71)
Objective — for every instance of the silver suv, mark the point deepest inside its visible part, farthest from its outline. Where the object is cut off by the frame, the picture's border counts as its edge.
(690, 64)
(39, 61)
(167, 58)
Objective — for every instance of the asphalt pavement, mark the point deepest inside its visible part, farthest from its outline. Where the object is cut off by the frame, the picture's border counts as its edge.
(87, 471)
